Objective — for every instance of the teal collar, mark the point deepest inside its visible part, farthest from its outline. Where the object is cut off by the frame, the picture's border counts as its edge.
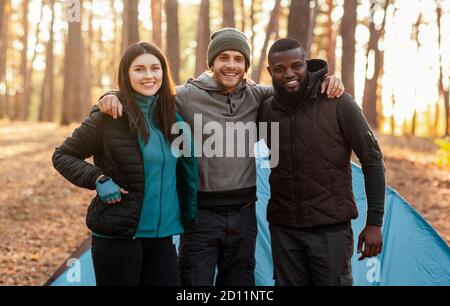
(145, 103)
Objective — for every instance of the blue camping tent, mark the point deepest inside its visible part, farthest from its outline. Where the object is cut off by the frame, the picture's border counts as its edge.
(413, 252)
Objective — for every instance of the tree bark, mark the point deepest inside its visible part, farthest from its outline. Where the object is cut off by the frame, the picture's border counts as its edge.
(256, 75)
(243, 17)
(29, 72)
(443, 91)
(4, 25)
(130, 31)
(173, 39)
(299, 22)
(312, 24)
(46, 109)
(331, 47)
(370, 97)
(203, 33)
(20, 105)
(348, 29)
(252, 25)
(228, 14)
(156, 22)
(73, 74)
(87, 99)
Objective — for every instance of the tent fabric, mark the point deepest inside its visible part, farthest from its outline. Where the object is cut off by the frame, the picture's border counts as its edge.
(413, 252)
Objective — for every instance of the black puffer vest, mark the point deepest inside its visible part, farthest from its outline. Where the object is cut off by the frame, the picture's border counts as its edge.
(312, 184)
(117, 154)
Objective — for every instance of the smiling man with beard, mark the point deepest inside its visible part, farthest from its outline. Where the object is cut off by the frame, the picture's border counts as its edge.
(225, 236)
(312, 202)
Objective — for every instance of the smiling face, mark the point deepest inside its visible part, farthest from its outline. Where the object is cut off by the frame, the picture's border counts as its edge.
(229, 69)
(288, 69)
(146, 74)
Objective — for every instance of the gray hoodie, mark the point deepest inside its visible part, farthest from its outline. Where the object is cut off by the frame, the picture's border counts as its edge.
(222, 180)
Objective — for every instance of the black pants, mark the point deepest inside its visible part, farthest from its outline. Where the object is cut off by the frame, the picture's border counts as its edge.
(224, 238)
(138, 262)
(311, 257)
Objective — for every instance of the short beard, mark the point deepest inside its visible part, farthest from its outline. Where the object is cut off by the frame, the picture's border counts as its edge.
(284, 94)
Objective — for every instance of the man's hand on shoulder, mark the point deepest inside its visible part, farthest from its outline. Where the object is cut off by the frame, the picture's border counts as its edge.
(110, 105)
(333, 86)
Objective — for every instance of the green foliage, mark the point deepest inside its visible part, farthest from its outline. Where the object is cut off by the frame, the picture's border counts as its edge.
(444, 152)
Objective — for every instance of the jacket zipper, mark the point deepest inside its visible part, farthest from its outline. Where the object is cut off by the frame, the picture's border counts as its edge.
(294, 164)
(142, 164)
(161, 186)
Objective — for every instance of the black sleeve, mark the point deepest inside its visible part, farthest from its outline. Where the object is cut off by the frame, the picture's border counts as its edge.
(264, 117)
(361, 139)
(85, 141)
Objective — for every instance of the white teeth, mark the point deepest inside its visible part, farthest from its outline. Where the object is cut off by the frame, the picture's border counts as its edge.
(291, 83)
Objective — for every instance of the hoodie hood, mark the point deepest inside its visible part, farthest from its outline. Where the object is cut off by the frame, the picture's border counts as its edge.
(206, 82)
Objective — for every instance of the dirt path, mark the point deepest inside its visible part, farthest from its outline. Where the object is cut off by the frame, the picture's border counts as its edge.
(42, 216)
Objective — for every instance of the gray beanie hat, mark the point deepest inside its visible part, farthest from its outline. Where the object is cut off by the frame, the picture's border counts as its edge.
(228, 39)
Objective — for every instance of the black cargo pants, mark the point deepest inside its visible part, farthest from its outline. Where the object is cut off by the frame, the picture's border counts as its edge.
(312, 257)
(224, 238)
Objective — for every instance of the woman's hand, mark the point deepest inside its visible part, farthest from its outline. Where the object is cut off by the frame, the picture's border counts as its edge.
(108, 191)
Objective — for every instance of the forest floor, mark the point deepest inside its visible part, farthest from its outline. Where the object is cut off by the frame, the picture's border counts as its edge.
(42, 216)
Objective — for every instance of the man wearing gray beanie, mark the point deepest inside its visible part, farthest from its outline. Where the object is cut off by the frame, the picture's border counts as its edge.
(225, 236)
(228, 39)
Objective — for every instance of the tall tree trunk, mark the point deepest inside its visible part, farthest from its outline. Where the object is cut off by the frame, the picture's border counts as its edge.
(115, 58)
(2, 10)
(20, 105)
(228, 14)
(203, 33)
(415, 34)
(73, 74)
(299, 22)
(86, 104)
(243, 17)
(4, 25)
(348, 29)
(156, 22)
(312, 24)
(46, 109)
(443, 91)
(173, 39)
(331, 47)
(256, 75)
(370, 98)
(252, 25)
(29, 73)
(130, 29)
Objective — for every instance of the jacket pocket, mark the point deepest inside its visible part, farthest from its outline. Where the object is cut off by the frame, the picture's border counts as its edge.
(95, 210)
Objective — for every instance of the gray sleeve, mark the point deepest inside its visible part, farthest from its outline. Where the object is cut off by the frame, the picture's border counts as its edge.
(263, 93)
(182, 97)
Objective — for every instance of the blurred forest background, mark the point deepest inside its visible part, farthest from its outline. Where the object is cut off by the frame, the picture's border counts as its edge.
(58, 57)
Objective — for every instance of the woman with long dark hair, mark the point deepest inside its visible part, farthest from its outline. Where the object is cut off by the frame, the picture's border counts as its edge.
(146, 191)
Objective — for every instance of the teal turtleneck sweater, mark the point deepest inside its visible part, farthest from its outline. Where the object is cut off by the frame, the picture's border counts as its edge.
(160, 215)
